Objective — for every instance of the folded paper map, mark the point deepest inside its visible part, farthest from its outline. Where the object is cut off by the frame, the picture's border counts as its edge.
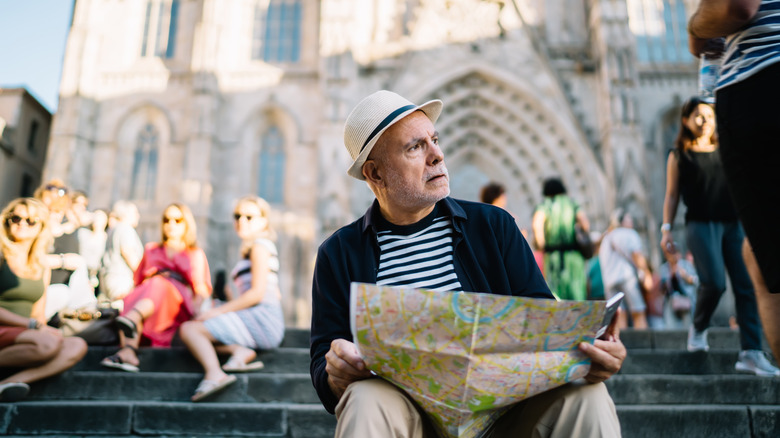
(465, 358)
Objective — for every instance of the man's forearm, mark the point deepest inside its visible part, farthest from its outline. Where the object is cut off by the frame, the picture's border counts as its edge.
(717, 18)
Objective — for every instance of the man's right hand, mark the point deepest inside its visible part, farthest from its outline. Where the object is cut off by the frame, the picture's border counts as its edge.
(344, 366)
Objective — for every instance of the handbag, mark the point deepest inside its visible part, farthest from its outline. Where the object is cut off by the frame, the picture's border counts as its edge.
(97, 326)
(584, 245)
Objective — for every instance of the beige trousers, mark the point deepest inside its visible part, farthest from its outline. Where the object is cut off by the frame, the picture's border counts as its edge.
(375, 408)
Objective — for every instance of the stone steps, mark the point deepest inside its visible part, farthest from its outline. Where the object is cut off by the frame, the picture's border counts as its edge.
(699, 420)
(297, 388)
(173, 387)
(178, 359)
(718, 338)
(662, 390)
(122, 418)
(171, 419)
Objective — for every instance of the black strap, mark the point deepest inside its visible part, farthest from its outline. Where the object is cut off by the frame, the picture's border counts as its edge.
(564, 247)
(385, 122)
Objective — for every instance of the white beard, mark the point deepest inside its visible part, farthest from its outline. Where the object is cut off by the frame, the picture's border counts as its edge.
(409, 196)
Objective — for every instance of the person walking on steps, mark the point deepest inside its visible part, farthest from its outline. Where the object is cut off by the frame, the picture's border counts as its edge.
(713, 234)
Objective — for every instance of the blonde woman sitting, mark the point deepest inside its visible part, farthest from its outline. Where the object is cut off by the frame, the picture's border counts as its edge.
(252, 320)
(171, 280)
(25, 340)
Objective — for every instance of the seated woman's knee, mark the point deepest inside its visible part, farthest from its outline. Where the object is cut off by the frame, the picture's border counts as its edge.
(46, 345)
(189, 328)
(74, 349)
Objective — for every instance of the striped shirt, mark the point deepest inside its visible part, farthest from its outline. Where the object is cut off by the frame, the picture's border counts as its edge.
(754, 48)
(418, 255)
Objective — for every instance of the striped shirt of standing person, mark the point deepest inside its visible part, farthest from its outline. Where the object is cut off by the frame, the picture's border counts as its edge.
(418, 258)
(750, 50)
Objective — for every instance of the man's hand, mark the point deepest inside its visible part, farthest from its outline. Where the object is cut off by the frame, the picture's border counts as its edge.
(696, 45)
(712, 47)
(344, 366)
(606, 355)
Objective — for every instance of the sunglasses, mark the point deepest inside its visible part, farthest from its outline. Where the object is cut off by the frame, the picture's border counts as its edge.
(61, 191)
(16, 220)
(176, 220)
(238, 216)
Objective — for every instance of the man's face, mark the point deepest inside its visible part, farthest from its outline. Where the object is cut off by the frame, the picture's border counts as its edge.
(412, 163)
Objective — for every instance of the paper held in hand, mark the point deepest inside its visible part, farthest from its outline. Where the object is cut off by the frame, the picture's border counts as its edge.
(465, 358)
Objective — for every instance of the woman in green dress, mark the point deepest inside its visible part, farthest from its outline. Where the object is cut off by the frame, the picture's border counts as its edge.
(554, 233)
(27, 344)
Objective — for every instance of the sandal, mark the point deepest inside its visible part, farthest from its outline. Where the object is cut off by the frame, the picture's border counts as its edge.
(13, 391)
(127, 326)
(236, 365)
(116, 362)
(210, 387)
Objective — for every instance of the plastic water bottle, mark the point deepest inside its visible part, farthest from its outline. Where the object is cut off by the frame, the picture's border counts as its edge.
(709, 69)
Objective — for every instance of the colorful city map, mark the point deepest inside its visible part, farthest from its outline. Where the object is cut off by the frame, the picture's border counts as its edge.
(464, 357)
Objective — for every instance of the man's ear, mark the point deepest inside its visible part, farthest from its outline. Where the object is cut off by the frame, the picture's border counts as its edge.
(372, 173)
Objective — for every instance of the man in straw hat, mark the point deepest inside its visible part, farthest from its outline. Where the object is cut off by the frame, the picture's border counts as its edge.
(415, 235)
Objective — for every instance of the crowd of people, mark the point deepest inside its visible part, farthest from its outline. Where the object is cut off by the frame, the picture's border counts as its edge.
(686, 289)
(61, 262)
(414, 234)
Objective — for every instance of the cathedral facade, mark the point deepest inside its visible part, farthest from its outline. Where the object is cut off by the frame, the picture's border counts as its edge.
(204, 101)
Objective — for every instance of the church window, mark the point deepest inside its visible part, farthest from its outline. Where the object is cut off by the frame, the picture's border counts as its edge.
(32, 139)
(276, 36)
(660, 28)
(160, 20)
(144, 177)
(271, 167)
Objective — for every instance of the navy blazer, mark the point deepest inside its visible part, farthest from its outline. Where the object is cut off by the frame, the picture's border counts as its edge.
(490, 255)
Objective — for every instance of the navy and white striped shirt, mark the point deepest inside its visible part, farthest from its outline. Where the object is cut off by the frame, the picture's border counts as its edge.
(418, 255)
(754, 48)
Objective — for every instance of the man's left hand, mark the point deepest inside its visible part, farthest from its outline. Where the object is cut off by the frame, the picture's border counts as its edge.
(712, 47)
(606, 356)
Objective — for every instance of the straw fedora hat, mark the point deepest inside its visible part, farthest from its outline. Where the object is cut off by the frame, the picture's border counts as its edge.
(371, 118)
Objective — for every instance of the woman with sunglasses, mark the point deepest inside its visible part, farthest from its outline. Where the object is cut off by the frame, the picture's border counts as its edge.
(26, 341)
(713, 234)
(171, 282)
(252, 320)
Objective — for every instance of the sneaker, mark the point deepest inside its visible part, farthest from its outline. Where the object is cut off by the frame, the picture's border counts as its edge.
(697, 341)
(755, 361)
(13, 391)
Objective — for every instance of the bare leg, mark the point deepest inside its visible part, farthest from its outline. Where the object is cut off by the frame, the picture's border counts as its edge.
(768, 303)
(138, 314)
(640, 320)
(240, 352)
(71, 351)
(622, 320)
(32, 347)
(201, 344)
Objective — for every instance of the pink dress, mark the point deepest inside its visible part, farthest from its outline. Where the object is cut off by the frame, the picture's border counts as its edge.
(169, 283)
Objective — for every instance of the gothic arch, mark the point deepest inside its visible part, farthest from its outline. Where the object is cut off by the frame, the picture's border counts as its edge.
(510, 132)
(256, 125)
(128, 129)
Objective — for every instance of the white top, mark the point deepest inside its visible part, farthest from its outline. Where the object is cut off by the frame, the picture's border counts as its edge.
(614, 254)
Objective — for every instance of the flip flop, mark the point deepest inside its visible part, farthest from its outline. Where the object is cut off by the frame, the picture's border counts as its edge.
(236, 365)
(13, 391)
(127, 326)
(116, 362)
(209, 387)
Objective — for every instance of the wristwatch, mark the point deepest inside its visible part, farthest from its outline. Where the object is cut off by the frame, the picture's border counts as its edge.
(666, 227)
(33, 324)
